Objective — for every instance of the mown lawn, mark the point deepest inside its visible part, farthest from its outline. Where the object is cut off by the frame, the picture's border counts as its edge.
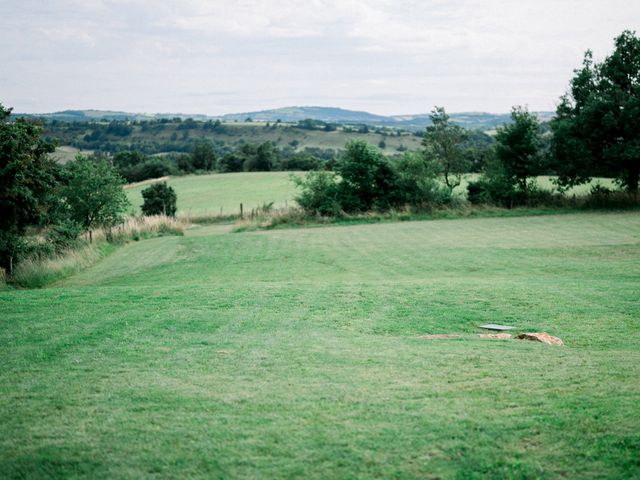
(294, 354)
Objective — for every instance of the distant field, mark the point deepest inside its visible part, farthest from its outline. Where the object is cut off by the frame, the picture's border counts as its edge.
(65, 153)
(295, 354)
(236, 133)
(200, 194)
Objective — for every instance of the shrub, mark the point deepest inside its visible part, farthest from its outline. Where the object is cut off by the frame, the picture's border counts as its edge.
(152, 168)
(231, 162)
(417, 182)
(301, 161)
(159, 199)
(319, 195)
(64, 235)
(367, 179)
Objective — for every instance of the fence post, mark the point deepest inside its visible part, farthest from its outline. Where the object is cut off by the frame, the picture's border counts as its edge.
(241, 213)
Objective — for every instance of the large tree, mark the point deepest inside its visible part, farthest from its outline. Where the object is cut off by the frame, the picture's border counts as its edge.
(27, 182)
(443, 143)
(94, 193)
(518, 148)
(597, 126)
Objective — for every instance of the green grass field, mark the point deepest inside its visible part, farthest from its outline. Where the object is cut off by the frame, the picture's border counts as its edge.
(206, 194)
(295, 354)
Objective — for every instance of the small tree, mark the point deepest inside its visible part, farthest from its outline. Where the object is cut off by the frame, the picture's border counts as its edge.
(159, 199)
(94, 194)
(443, 144)
(518, 148)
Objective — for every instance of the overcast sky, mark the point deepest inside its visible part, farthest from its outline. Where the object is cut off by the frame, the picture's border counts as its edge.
(223, 56)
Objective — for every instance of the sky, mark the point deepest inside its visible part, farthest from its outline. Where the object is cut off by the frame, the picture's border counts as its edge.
(225, 56)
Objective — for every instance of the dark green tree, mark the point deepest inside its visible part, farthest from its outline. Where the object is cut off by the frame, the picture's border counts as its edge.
(203, 156)
(94, 194)
(367, 180)
(518, 148)
(159, 199)
(443, 142)
(28, 178)
(123, 160)
(263, 158)
(597, 124)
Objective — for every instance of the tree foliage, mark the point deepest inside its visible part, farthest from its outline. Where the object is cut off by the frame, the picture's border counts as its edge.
(319, 193)
(203, 156)
(443, 143)
(417, 182)
(518, 148)
(94, 194)
(159, 199)
(597, 124)
(27, 183)
(367, 180)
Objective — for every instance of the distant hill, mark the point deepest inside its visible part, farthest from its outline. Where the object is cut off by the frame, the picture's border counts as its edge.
(477, 120)
(325, 114)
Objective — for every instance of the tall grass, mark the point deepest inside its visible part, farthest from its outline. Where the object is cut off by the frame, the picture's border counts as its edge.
(39, 271)
(136, 228)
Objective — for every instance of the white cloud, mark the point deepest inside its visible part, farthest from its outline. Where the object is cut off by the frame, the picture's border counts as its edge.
(380, 55)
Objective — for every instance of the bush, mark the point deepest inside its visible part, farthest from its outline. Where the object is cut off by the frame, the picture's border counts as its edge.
(319, 195)
(300, 161)
(367, 179)
(64, 235)
(495, 191)
(417, 182)
(159, 199)
(152, 168)
(231, 162)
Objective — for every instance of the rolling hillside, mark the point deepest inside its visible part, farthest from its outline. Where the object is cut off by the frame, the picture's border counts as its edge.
(476, 120)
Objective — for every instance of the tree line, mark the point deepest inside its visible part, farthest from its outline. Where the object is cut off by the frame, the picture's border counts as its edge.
(595, 133)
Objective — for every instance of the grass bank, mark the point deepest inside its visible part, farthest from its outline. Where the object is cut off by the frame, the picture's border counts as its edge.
(40, 271)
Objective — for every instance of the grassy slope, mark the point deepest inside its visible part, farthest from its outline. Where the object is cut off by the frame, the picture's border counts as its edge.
(207, 193)
(236, 133)
(294, 354)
